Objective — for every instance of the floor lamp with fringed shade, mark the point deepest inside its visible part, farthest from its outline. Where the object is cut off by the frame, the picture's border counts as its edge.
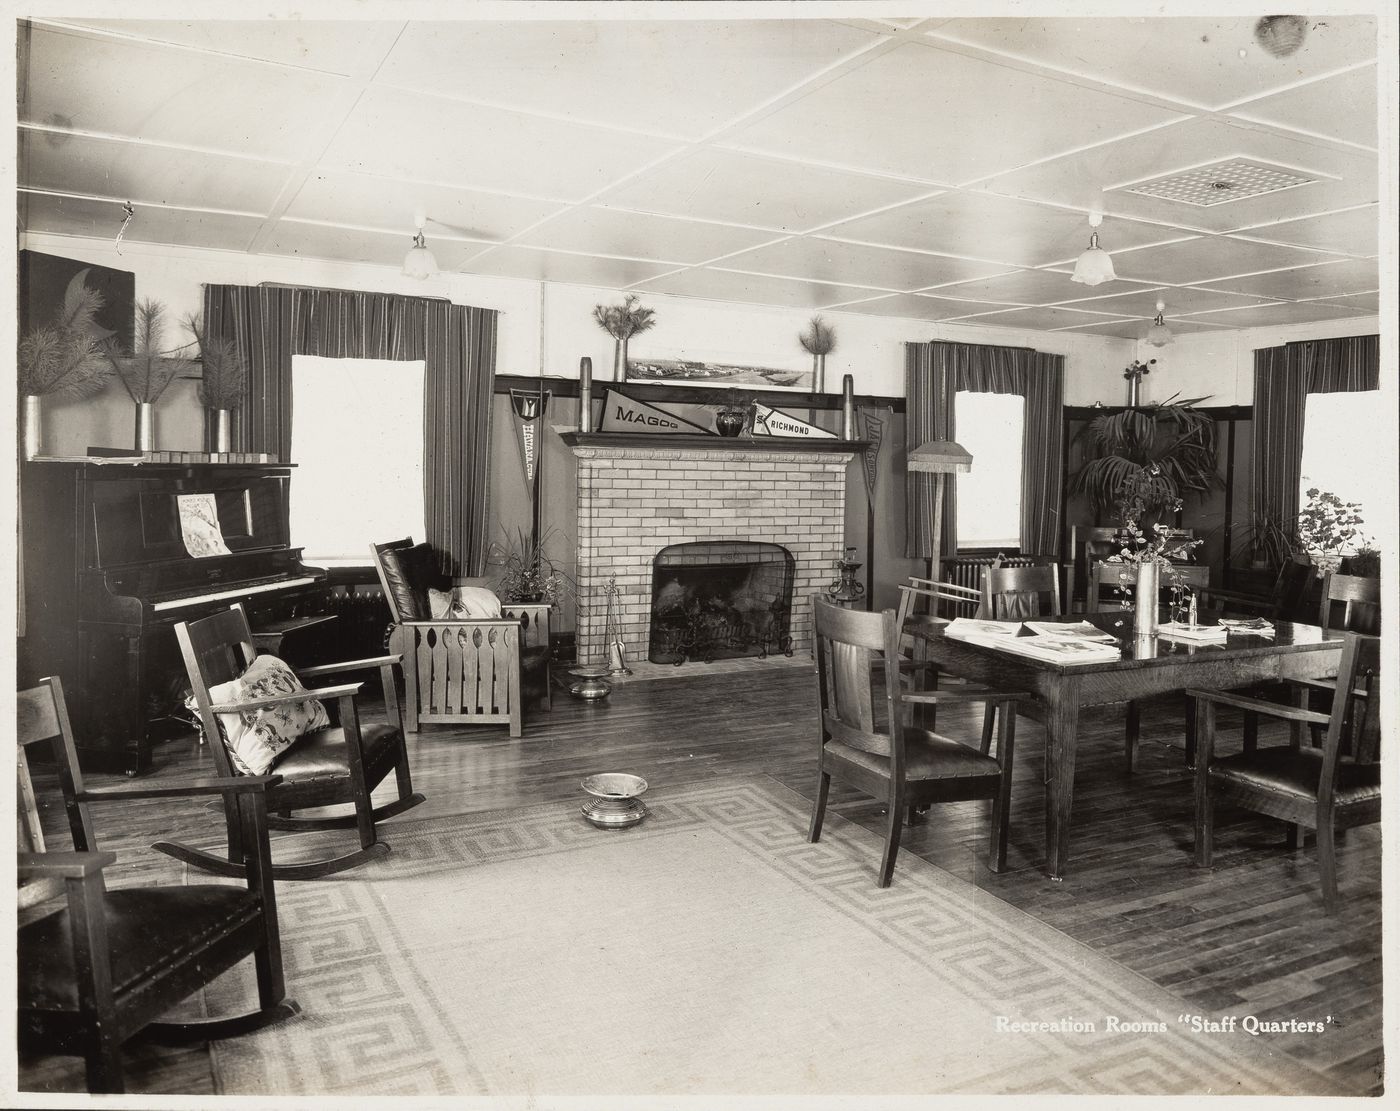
(938, 458)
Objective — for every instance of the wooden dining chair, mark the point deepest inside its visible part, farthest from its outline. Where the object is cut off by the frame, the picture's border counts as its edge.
(329, 765)
(914, 628)
(1350, 602)
(868, 741)
(97, 967)
(1017, 593)
(1326, 789)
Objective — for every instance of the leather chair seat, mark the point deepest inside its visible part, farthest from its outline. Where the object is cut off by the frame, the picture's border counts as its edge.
(148, 928)
(926, 756)
(1295, 772)
(322, 754)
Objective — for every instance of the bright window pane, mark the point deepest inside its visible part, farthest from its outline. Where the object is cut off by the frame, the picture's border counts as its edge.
(991, 426)
(357, 440)
(1340, 434)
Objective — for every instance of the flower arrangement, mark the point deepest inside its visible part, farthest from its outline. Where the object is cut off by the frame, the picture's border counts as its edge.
(819, 341)
(65, 358)
(527, 574)
(1153, 544)
(1326, 526)
(622, 322)
(1139, 370)
(147, 371)
(225, 374)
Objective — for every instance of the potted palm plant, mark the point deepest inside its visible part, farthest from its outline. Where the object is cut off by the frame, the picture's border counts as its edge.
(1173, 440)
(146, 371)
(222, 381)
(622, 322)
(62, 359)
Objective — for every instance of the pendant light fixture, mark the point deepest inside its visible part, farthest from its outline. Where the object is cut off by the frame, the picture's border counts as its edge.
(1159, 335)
(1094, 265)
(419, 262)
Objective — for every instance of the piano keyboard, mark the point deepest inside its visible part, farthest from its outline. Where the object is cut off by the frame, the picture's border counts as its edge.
(235, 592)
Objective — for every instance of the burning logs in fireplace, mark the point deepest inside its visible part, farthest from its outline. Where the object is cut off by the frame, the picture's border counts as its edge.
(720, 599)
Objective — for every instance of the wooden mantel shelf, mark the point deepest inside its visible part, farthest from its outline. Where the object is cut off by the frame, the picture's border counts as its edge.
(685, 442)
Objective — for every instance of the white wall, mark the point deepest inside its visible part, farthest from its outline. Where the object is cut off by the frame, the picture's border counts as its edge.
(1220, 365)
(544, 329)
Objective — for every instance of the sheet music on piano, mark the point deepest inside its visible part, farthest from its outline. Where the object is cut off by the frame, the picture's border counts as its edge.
(199, 525)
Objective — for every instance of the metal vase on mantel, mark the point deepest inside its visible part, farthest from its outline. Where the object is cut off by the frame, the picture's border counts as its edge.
(1145, 599)
(145, 426)
(33, 418)
(223, 430)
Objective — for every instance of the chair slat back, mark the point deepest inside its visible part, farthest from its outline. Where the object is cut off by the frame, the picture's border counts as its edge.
(42, 716)
(1015, 593)
(216, 649)
(849, 644)
(1360, 664)
(1359, 599)
(1366, 724)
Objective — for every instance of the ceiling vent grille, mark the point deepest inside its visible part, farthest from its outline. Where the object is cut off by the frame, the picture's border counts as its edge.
(1220, 183)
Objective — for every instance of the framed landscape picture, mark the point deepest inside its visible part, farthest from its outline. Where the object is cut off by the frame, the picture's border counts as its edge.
(719, 372)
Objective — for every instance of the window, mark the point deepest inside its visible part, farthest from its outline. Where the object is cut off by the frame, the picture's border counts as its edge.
(1340, 434)
(992, 427)
(357, 440)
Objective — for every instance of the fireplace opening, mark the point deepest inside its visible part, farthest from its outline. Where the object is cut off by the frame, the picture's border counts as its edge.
(720, 599)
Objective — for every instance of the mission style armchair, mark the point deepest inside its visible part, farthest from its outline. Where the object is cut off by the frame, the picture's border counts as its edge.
(459, 669)
(96, 967)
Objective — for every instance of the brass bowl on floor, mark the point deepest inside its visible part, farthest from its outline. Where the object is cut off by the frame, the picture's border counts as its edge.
(615, 803)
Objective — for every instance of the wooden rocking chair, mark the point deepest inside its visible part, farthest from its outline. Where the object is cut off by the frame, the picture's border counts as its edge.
(334, 765)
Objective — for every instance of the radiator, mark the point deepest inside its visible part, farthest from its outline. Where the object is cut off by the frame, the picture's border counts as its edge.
(361, 626)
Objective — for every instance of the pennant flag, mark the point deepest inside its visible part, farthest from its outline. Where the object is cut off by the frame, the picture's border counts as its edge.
(623, 414)
(529, 407)
(771, 422)
(872, 428)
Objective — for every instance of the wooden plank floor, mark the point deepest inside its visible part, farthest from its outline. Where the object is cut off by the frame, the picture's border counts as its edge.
(1248, 937)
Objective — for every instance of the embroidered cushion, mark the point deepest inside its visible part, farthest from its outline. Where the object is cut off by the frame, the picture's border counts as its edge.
(463, 603)
(256, 738)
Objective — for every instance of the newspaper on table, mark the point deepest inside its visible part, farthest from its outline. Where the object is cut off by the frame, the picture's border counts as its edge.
(1197, 634)
(1073, 647)
(1248, 626)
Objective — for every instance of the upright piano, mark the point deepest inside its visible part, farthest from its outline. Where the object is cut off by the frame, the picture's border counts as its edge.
(107, 573)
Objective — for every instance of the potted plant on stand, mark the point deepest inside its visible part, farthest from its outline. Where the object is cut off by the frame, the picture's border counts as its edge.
(1173, 436)
(527, 573)
(63, 359)
(147, 371)
(1326, 527)
(222, 382)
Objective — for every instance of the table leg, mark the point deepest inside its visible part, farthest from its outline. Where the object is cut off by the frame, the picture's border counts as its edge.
(1061, 737)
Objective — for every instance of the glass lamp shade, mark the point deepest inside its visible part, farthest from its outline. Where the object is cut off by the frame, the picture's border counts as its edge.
(419, 262)
(1159, 335)
(1094, 266)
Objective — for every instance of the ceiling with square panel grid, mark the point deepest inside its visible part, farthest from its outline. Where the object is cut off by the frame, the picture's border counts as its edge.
(933, 169)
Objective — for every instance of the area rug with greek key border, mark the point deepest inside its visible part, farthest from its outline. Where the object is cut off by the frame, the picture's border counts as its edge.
(710, 950)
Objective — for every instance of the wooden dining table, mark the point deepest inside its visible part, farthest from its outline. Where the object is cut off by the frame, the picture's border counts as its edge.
(1146, 666)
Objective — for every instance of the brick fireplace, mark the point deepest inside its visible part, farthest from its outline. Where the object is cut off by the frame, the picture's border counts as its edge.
(640, 493)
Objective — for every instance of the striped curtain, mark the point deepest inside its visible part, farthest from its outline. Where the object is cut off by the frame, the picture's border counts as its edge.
(1283, 378)
(1043, 454)
(458, 347)
(933, 374)
(258, 320)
